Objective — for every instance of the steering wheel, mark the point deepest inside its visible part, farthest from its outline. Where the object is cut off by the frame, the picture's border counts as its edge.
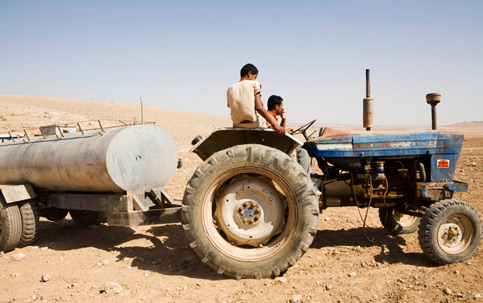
(302, 129)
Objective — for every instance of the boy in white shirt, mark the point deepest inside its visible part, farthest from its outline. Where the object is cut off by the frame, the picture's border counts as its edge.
(245, 102)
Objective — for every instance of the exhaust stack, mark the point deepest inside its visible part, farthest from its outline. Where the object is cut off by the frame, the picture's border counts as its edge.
(433, 99)
(368, 106)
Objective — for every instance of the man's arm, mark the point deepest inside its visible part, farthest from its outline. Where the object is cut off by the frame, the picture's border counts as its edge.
(262, 111)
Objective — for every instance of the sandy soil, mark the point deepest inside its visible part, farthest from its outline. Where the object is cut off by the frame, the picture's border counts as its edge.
(155, 263)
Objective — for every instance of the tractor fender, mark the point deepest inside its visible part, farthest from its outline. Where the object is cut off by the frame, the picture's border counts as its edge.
(228, 137)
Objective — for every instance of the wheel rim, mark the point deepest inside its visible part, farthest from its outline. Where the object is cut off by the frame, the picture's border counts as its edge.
(250, 211)
(258, 207)
(403, 219)
(455, 234)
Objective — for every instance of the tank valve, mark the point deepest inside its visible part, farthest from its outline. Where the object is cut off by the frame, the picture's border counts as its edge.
(433, 99)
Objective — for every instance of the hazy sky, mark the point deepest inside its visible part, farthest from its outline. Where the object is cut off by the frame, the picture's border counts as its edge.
(185, 54)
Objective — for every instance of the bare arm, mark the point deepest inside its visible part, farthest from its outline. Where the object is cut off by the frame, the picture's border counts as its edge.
(262, 111)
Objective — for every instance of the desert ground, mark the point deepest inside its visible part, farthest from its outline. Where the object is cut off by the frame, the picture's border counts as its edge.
(156, 264)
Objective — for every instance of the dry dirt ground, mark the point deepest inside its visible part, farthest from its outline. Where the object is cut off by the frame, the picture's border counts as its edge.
(155, 263)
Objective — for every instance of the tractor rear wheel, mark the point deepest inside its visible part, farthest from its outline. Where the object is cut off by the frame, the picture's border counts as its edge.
(450, 231)
(10, 226)
(398, 223)
(250, 211)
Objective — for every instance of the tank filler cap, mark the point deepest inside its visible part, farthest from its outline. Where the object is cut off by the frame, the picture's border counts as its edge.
(433, 99)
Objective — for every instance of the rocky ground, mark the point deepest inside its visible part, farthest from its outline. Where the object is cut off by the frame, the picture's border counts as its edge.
(156, 264)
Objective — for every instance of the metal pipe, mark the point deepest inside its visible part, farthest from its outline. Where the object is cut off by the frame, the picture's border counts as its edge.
(368, 105)
(433, 99)
(142, 110)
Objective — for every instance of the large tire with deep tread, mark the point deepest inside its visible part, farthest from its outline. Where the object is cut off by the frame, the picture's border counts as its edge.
(30, 222)
(266, 166)
(450, 231)
(397, 223)
(10, 226)
(86, 218)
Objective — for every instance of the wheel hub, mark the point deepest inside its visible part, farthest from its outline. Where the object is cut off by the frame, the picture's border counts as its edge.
(451, 234)
(250, 211)
(455, 234)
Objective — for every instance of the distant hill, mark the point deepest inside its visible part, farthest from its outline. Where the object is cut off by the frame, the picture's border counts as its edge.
(468, 124)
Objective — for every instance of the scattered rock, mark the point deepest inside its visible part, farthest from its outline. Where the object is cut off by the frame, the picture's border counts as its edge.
(456, 272)
(17, 257)
(468, 262)
(473, 164)
(34, 247)
(317, 283)
(148, 273)
(199, 284)
(460, 295)
(45, 278)
(281, 279)
(2, 254)
(105, 262)
(328, 286)
(112, 288)
(447, 291)
(352, 274)
(16, 274)
(477, 296)
(297, 298)
(400, 280)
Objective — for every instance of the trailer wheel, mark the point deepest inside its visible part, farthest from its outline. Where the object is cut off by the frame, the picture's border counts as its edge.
(250, 211)
(85, 218)
(450, 231)
(398, 223)
(30, 222)
(10, 226)
(54, 214)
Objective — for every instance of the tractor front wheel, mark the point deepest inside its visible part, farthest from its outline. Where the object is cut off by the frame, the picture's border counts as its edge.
(450, 231)
(398, 223)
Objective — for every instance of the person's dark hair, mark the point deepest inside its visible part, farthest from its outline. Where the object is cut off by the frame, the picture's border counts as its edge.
(273, 101)
(248, 68)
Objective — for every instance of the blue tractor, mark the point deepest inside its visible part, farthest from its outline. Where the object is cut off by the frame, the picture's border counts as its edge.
(251, 211)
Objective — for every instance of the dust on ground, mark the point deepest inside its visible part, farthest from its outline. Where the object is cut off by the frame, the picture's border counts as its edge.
(156, 264)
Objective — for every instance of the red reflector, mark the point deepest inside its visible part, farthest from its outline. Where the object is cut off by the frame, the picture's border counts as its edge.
(443, 163)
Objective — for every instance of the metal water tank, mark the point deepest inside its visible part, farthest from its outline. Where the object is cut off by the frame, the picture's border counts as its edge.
(134, 158)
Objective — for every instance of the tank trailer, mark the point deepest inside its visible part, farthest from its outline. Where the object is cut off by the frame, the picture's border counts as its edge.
(249, 210)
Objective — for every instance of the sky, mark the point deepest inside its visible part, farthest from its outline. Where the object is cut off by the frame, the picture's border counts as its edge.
(185, 54)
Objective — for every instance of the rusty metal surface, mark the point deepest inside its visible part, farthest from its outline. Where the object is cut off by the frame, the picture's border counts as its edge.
(136, 218)
(15, 193)
(228, 137)
(133, 158)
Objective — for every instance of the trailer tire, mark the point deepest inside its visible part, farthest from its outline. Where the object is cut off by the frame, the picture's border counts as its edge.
(397, 223)
(86, 218)
(10, 226)
(450, 231)
(54, 214)
(275, 177)
(30, 222)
